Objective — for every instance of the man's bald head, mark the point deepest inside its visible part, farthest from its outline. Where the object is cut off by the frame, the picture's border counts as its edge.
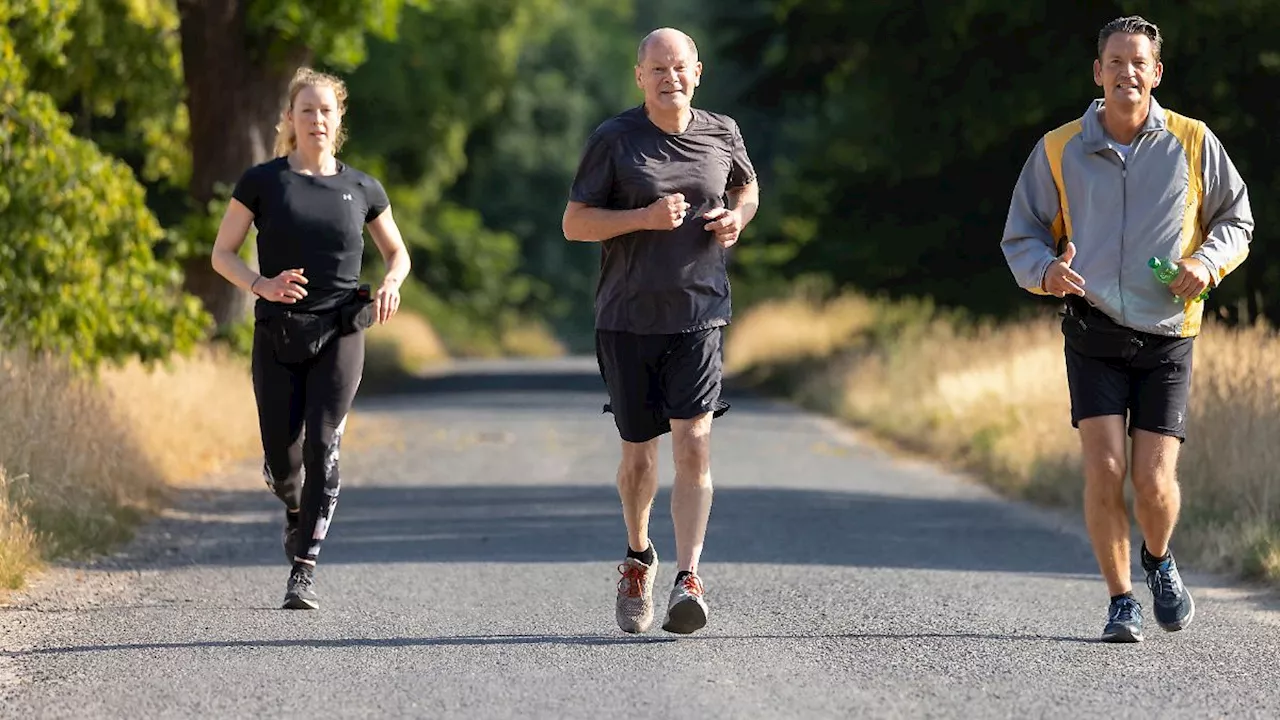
(667, 35)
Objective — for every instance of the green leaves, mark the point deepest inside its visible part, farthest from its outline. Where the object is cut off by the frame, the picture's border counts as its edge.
(116, 65)
(77, 274)
(333, 30)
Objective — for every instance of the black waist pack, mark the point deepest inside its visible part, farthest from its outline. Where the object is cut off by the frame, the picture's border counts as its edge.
(1092, 333)
(297, 336)
(357, 313)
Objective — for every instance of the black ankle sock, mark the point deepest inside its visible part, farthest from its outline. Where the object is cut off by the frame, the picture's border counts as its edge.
(291, 516)
(1149, 560)
(681, 575)
(645, 557)
(1122, 595)
(309, 569)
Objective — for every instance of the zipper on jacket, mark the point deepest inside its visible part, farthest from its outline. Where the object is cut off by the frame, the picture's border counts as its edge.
(1124, 223)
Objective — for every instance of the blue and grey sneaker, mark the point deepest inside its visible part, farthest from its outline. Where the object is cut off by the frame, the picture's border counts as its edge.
(1174, 607)
(1124, 621)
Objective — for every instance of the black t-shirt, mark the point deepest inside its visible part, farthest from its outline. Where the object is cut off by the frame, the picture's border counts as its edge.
(662, 281)
(313, 222)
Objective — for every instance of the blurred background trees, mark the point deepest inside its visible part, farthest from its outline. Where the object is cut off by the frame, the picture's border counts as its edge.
(887, 136)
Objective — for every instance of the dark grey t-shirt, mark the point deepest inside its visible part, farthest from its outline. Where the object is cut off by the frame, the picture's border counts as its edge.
(662, 281)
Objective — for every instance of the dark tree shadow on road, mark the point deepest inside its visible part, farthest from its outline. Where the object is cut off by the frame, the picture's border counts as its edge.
(571, 524)
(563, 640)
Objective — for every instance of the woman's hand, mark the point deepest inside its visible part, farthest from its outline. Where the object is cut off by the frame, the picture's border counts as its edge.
(284, 288)
(387, 301)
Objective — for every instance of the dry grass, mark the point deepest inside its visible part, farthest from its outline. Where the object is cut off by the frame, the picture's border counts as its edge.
(83, 460)
(400, 349)
(994, 400)
(189, 417)
(18, 544)
(531, 339)
(77, 478)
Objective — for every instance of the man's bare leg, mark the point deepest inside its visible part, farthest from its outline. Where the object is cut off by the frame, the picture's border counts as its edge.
(1102, 444)
(691, 494)
(690, 509)
(1158, 498)
(1158, 501)
(637, 487)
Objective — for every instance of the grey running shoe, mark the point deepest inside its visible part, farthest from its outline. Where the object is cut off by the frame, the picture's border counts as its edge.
(635, 594)
(301, 594)
(686, 610)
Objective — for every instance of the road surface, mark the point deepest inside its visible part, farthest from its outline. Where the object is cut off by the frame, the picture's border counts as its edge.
(471, 567)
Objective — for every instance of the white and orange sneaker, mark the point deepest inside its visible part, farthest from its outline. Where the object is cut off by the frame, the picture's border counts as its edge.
(635, 594)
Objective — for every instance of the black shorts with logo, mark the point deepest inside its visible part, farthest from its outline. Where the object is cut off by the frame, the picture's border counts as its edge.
(653, 379)
(1115, 370)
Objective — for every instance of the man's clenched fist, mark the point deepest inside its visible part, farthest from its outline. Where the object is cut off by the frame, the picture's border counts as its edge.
(725, 224)
(667, 213)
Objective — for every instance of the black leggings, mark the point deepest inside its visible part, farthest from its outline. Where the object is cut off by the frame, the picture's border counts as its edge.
(315, 395)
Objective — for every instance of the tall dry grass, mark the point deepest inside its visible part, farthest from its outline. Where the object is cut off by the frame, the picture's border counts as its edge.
(84, 459)
(399, 349)
(993, 400)
(189, 417)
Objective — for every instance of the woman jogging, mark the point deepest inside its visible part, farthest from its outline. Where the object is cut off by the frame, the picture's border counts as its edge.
(310, 210)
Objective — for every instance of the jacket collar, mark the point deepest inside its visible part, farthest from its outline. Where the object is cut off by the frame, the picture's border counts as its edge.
(1094, 136)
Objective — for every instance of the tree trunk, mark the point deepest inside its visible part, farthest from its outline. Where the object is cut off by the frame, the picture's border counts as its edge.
(235, 83)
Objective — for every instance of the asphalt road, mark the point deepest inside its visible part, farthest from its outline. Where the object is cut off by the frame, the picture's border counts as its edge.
(471, 567)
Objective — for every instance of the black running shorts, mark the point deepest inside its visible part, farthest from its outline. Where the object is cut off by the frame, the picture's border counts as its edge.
(653, 379)
(1114, 370)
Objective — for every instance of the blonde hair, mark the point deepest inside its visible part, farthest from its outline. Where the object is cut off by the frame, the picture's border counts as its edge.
(286, 141)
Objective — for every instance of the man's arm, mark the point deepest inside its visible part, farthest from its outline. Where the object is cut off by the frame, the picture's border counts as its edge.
(1228, 218)
(584, 223)
(727, 223)
(586, 217)
(1028, 243)
(745, 201)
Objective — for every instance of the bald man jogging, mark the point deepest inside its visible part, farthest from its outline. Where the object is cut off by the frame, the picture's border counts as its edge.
(665, 189)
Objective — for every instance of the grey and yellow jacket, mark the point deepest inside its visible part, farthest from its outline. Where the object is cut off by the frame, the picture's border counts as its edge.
(1177, 195)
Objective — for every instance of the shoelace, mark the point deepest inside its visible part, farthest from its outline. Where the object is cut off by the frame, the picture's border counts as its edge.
(1124, 612)
(632, 581)
(692, 584)
(302, 580)
(1163, 585)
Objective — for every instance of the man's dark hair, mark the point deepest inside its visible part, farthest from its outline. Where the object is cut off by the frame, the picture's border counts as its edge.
(1132, 25)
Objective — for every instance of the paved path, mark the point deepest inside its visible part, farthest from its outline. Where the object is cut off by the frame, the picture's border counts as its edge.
(470, 573)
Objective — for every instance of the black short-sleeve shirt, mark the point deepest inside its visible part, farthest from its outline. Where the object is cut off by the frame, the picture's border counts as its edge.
(668, 281)
(313, 222)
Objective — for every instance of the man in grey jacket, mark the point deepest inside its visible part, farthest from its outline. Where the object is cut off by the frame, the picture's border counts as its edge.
(1097, 200)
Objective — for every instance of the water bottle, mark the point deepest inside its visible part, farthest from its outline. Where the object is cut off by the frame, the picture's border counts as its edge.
(1166, 271)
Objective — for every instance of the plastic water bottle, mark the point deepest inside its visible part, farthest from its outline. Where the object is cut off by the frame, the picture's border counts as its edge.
(1166, 271)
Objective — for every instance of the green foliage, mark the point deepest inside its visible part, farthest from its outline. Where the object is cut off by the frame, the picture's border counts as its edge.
(76, 268)
(334, 30)
(414, 105)
(80, 63)
(414, 101)
(469, 268)
(573, 72)
(894, 135)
